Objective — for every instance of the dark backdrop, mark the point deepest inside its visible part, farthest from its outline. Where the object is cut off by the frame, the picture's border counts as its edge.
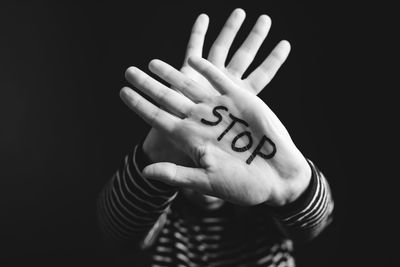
(64, 129)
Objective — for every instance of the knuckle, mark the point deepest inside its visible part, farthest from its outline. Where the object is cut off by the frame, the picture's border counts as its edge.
(162, 96)
(137, 103)
(187, 83)
(197, 32)
(166, 73)
(154, 115)
(143, 82)
(260, 31)
(217, 79)
(275, 55)
(231, 24)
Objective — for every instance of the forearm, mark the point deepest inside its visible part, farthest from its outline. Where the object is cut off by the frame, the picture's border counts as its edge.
(311, 213)
(130, 205)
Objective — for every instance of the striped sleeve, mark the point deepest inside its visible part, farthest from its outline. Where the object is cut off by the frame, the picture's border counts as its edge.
(311, 213)
(130, 205)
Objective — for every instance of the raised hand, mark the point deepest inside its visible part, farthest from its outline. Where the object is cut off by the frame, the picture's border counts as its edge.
(242, 152)
(158, 146)
(243, 57)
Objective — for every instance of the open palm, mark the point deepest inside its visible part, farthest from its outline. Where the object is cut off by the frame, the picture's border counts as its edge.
(157, 145)
(242, 152)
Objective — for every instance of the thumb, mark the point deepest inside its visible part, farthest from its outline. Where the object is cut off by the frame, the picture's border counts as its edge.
(176, 175)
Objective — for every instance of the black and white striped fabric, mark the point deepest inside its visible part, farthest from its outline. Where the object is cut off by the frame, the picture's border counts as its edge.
(175, 232)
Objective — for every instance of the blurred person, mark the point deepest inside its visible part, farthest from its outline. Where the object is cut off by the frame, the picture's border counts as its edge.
(218, 180)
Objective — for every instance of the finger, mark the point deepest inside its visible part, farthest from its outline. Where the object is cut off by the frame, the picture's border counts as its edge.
(179, 81)
(153, 115)
(196, 40)
(220, 48)
(261, 76)
(243, 57)
(172, 174)
(166, 97)
(217, 79)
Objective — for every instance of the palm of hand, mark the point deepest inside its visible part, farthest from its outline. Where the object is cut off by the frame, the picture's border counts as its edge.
(229, 148)
(242, 152)
(158, 146)
(166, 149)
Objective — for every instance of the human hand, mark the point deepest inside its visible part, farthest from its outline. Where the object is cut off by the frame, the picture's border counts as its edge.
(158, 146)
(242, 152)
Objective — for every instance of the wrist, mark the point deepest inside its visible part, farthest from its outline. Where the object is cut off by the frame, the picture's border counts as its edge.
(300, 183)
(296, 186)
(303, 200)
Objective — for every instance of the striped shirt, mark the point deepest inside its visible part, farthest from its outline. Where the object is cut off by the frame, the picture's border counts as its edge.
(162, 223)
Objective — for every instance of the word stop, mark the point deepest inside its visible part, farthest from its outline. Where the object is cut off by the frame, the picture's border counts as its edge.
(247, 134)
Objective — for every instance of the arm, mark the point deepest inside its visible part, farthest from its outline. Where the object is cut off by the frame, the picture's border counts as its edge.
(130, 205)
(160, 148)
(307, 216)
(242, 152)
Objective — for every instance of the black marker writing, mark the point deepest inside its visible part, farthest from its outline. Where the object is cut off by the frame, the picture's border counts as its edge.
(216, 114)
(234, 120)
(243, 148)
(259, 153)
(257, 150)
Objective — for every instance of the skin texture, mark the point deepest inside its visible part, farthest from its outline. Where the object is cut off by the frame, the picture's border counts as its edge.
(187, 151)
(159, 147)
(245, 146)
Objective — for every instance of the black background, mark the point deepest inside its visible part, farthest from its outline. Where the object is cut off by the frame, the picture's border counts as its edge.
(64, 129)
